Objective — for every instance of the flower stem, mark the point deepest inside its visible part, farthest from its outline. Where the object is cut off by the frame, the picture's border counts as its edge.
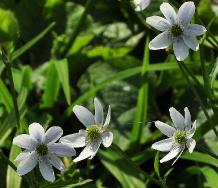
(7, 63)
(184, 71)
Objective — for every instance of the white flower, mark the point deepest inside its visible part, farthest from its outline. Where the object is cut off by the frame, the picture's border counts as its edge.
(176, 30)
(140, 5)
(96, 131)
(179, 137)
(40, 147)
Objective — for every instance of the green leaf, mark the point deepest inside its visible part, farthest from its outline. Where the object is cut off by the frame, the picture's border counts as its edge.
(13, 180)
(120, 76)
(156, 164)
(200, 157)
(142, 103)
(63, 74)
(31, 43)
(125, 171)
(5, 96)
(211, 177)
(52, 86)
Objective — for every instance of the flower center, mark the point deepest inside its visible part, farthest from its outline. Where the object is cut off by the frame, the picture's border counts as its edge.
(180, 137)
(42, 149)
(93, 132)
(176, 30)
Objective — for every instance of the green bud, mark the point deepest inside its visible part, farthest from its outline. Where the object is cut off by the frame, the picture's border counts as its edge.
(9, 28)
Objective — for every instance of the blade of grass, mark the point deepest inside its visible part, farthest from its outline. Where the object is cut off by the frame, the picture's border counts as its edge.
(142, 103)
(120, 76)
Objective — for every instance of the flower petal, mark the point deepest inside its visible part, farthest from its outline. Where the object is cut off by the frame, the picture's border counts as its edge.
(46, 170)
(108, 118)
(36, 131)
(188, 121)
(140, 5)
(165, 129)
(169, 12)
(158, 23)
(99, 114)
(161, 41)
(27, 164)
(75, 140)
(195, 30)
(56, 162)
(88, 152)
(84, 115)
(53, 134)
(180, 49)
(61, 150)
(177, 118)
(107, 138)
(186, 12)
(24, 155)
(182, 149)
(191, 42)
(163, 145)
(190, 144)
(25, 141)
(173, 153)
(191, 132)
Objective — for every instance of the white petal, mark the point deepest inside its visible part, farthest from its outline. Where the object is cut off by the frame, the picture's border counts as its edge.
(88, 152)
(107, 139)
(84, 115)
(191, 132)
(108, 118)
(25, 141)
(182, 149)
(180, 49)
(161, 41)
(76, 140)
(186, 12)
(177, 118)
(165, 129)
(195, 30)
(61, 150)
(190, 145)
(99, 114)
(53, 134)
(169, 12)
(191, 42)
(140, 5)
(46, 170)
(163, 145)
(27, 164)
(24, 155)
(173, 153)
(56, 162)
(158, 23)
(188, 121)
(36, 131)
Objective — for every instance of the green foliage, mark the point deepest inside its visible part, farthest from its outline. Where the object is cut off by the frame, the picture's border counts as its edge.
(9, 28)
(69, 52)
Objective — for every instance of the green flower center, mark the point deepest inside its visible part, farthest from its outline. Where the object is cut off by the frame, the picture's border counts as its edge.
(93, 132)
(42, 149)
(176, 30)
(180, 137)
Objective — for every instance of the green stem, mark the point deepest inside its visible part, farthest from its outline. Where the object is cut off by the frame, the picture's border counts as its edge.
(182, 67)
(88, 7)
(7, 63)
